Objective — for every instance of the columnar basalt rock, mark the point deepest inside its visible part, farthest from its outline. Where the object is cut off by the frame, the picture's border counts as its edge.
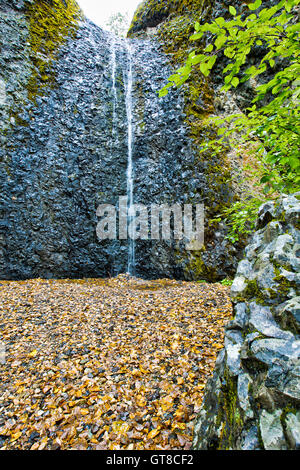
(64, 150)
(61, 153)
(253, 399)
(171, 23)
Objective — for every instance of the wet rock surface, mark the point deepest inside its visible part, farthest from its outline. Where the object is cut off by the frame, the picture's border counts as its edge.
(64, 152)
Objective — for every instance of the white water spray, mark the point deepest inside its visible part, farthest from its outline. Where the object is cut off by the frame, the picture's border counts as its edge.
(130, 181)
(113, 65)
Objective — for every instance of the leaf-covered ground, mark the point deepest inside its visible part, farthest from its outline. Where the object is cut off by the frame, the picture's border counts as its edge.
(106, 364)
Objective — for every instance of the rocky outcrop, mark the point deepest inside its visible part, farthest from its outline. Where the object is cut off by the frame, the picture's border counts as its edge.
(253, 399)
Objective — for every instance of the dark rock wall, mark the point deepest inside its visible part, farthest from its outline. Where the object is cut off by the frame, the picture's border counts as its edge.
(62, 155)
(223, 173)
(55, 157)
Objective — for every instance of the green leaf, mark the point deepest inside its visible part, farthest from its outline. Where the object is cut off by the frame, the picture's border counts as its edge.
(212, 61)
(232, 10)
(255, 5)
(197, 59)
(289, 5)
(235, 81)
(204, 68)
(220, 41)
(220, 21)
(209, 48)
(251, 70)
(196, 36)
(265, 178)
(294, 162)
(229, 52)
(163, 92)
(228, 67)
(197, 26)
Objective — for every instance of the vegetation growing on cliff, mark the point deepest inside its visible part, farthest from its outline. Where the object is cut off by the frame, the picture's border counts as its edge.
(173, 23)
(51, 22)
(273, 119)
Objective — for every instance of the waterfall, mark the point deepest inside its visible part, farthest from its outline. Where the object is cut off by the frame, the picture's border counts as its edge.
(128, 80)
(130, 171)
(113, 66)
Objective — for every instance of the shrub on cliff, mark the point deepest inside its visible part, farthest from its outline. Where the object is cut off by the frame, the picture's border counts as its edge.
(272, 122)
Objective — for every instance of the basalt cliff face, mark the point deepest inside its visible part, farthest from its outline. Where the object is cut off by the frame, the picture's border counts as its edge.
(64, 119)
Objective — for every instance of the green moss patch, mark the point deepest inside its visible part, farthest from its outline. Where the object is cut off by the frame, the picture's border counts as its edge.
(50, 23)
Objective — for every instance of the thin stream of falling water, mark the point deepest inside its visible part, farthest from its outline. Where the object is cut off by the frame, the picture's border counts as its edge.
(113, 73)
(130, 182)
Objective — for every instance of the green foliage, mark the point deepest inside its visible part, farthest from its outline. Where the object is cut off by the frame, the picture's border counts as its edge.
(118, 23)
(226, 282)
(272, 121)
(240, 217)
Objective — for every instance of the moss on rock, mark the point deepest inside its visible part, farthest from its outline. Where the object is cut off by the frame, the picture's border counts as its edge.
(230, 416)
(50, 23)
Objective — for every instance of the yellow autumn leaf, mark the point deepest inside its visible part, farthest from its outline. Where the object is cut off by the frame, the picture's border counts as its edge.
(35, 446)
(33, 353)
(166, 402)
(119, 427)
(16, 436)
(114, 446)
(153, 433)
(200, 386)
(141, 401)
(178, 426)
(84, 412)
(106, 398)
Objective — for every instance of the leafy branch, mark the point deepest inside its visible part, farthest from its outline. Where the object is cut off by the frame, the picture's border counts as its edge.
(272, 121)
